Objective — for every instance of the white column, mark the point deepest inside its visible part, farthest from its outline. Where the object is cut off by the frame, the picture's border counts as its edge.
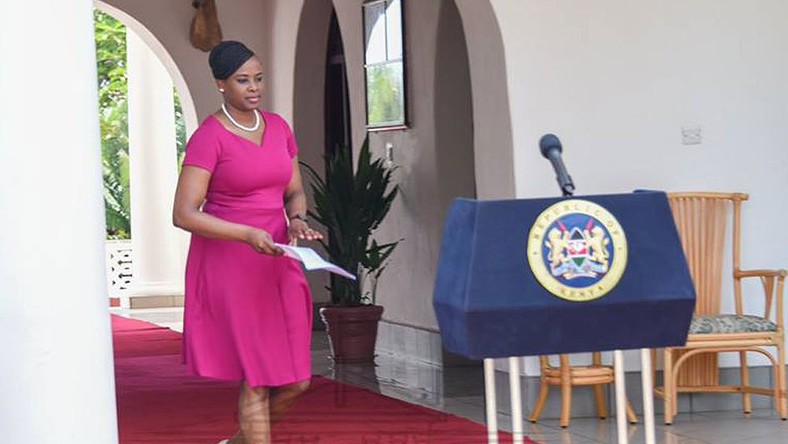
(158, 246)
(56, 368)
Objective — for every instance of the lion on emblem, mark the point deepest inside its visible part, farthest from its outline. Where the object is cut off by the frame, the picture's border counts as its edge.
(597, 243)
(558, 242)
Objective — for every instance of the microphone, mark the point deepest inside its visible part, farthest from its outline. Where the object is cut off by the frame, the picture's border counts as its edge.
(551, 149)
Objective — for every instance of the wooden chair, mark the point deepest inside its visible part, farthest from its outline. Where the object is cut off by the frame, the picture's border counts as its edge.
(701, 219)
(567, 376)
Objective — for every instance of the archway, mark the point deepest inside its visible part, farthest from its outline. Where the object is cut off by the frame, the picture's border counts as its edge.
(157, 248)
(451, 84)
(187, 101)
(454, 124)
(493, 146)
(459, 141)
(310, 100)
(492, 139)
(309, 83)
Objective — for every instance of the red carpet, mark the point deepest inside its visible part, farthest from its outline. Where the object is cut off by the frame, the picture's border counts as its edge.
(158, 402)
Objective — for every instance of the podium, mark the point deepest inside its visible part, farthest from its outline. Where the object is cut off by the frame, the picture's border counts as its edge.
(562, 275)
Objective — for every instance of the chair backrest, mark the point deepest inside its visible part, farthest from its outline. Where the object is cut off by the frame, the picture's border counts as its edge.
(701, 219)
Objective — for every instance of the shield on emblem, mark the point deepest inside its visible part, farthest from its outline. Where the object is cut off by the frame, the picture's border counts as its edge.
(578, 248)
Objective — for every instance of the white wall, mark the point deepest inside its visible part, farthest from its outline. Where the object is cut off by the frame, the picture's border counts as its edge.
(278, 30)
(617, 79)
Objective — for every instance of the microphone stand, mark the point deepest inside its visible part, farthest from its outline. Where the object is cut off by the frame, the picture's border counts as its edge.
(568, 190)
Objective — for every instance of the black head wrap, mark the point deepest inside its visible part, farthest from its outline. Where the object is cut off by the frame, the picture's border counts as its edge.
(227, 57)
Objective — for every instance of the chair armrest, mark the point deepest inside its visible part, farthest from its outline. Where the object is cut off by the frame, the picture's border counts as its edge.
(773, 286)
(760, 273)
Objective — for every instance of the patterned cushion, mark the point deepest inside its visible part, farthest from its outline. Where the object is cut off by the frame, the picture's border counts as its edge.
(730, 324)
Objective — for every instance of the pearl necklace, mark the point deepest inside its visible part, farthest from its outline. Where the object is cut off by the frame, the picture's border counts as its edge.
(238, 125)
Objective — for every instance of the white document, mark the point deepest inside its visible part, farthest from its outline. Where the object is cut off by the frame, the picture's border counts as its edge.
(312, 260)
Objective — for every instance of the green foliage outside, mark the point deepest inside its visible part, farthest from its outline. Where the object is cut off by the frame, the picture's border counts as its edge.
(385, 95)
(110, 36)
(180, 129)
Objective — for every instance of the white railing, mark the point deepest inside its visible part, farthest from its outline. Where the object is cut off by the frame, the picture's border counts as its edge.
(119, 268)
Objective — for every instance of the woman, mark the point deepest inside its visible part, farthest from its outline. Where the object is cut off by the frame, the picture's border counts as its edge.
(248, 310)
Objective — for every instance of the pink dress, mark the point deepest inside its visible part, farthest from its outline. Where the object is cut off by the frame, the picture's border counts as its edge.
(248, 316)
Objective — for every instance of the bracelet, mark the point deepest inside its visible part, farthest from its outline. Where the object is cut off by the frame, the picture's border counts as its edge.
(300, 217)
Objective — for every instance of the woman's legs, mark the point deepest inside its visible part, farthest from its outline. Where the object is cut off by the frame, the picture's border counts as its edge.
(254, 416)
(283, 398)
(259, 407)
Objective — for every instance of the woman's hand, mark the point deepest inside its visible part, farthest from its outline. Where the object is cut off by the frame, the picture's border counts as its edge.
(262, 242)
(300, 230)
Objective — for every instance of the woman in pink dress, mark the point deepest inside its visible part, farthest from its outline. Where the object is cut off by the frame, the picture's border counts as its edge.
(248, 309)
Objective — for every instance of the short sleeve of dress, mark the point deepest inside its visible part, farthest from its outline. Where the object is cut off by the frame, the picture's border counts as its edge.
(292, 146)
(202, 150)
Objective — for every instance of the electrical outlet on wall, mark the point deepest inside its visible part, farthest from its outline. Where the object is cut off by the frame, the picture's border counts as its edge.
(389, 154)
(691, 135)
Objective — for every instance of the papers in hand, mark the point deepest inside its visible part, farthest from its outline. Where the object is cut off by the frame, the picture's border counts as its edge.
(312, 260)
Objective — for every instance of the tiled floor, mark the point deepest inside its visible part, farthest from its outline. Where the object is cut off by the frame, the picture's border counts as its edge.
(460, 391)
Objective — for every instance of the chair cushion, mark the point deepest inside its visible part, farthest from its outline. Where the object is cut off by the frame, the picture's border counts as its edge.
(730, 324)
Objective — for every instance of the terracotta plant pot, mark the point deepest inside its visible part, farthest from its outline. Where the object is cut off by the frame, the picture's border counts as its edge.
(352, 331)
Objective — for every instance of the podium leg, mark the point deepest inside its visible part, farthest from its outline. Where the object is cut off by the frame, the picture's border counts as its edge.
(648, 394)
(516, 398)
(621, 397)
(490, 401)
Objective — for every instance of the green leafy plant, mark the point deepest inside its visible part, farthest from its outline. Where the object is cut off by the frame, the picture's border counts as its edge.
(351, 205)
(110, 37)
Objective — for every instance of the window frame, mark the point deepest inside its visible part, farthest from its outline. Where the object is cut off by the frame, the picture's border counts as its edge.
(402, 123)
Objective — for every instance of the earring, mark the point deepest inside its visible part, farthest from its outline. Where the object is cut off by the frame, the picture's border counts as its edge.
(221, 90)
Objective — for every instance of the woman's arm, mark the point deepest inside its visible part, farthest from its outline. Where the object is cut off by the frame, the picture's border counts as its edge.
(186, 214)
(295, 207)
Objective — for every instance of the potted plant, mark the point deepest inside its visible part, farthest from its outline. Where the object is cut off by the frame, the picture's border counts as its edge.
(351, 205)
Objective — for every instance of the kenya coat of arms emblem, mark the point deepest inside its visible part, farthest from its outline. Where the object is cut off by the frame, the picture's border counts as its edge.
(577, 250)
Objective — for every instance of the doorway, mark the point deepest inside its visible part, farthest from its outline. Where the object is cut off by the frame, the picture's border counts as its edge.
(337, 99)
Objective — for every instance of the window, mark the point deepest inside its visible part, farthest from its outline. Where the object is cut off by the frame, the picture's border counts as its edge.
(384, 64)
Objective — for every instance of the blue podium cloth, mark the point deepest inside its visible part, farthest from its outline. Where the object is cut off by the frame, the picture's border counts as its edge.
(489, 304)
